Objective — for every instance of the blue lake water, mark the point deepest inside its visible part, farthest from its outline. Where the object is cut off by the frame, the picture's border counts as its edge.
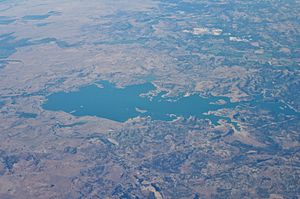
(121, 104)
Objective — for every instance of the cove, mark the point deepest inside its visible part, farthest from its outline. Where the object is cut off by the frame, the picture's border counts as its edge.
(121, 104)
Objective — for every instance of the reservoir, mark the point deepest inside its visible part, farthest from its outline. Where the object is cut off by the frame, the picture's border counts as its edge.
(121, 104)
